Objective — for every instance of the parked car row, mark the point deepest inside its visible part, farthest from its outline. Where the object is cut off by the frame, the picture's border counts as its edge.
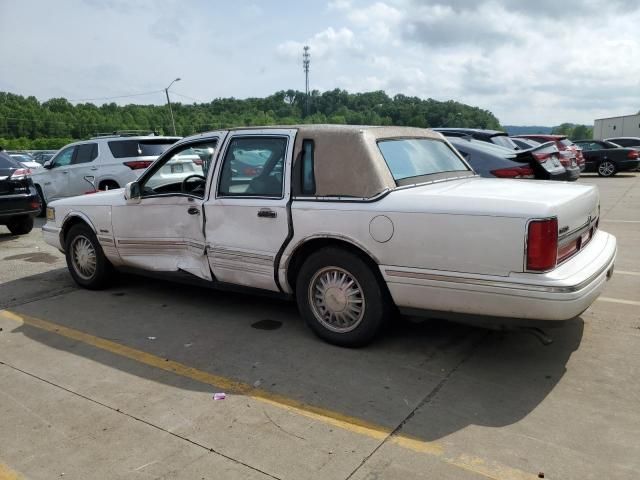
(606, 157)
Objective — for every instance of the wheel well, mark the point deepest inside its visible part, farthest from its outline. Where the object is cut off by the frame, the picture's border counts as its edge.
(306, 249)
(104, 183)
(67, 226)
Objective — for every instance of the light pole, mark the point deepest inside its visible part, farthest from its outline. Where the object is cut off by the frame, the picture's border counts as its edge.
(166, 91)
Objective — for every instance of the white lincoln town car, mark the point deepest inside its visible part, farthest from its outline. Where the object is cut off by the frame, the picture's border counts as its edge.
(353, 222)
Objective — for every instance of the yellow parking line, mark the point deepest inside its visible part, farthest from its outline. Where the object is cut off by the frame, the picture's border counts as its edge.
(477, 465)
(618, 300)
(7, 474)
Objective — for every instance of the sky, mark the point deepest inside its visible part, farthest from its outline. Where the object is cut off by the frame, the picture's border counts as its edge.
(530, 63)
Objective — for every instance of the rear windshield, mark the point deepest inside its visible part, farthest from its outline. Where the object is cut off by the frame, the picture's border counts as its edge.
(140, 148)
(504, 141)
(566, 142)
(414, 157)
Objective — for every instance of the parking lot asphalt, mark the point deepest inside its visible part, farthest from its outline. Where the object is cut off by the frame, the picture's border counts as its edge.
(120, 383)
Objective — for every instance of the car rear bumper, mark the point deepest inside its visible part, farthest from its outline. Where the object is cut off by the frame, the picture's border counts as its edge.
(18, 204)
(572, 173)
(561, 294)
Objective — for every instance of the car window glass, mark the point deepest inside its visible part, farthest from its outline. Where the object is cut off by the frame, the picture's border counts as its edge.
(140, 148)
(414, 157)
(504, 141)
(86, 153)
(253, 166)
(183, 171)
(64, 157)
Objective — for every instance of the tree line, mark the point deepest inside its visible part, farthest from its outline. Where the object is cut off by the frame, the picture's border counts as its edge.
(26, 123)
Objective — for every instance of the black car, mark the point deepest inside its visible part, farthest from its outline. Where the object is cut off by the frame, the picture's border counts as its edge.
(541, 162)
(19, 200)
(608, 158)
(490, 136)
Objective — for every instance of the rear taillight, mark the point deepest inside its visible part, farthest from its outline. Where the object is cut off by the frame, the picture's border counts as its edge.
(632, 155)
(21, 173)
(542, 244)
(138, 164)
(541, 157)
(514, 172)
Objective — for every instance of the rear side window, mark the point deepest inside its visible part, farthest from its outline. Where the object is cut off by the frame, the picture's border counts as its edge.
(414, 157)
(308, 175)
(86, 153)
(139, 148)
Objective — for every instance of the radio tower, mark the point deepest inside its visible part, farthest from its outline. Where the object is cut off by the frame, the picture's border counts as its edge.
(306, 61)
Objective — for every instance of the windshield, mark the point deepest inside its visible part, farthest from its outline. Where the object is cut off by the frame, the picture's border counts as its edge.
(413, 157)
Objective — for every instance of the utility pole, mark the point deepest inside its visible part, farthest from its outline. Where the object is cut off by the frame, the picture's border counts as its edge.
(306, 61)
(166, 92)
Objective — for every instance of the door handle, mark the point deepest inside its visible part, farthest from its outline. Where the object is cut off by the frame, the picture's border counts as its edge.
(66, 172)
(94, 168)
(193, 211)
(267, 213)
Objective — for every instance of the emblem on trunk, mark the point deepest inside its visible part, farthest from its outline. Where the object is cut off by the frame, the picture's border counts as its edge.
(564, 229)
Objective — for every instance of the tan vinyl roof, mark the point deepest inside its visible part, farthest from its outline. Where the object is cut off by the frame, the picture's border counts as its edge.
(347, 160)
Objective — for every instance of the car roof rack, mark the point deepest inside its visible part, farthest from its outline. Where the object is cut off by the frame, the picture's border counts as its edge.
(126, 133)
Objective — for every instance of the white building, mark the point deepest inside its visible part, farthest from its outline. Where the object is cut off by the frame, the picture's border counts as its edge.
(625, 126)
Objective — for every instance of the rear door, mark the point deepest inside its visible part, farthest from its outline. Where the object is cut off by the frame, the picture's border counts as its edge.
(247, 216)
(82, 169)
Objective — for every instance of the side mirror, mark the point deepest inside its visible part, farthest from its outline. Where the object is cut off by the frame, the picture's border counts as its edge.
(132, 192)
(48, 164)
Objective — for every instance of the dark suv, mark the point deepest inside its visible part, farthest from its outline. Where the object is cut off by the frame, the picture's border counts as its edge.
(19, 200)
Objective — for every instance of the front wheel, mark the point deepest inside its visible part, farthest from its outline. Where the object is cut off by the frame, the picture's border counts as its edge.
(341, 298)
(606, 168)
(85, 259)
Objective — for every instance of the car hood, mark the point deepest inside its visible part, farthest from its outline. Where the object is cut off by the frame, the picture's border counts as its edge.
(572, 204)
(106, 198)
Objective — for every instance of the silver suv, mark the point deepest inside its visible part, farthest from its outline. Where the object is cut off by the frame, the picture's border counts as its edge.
(104, 162)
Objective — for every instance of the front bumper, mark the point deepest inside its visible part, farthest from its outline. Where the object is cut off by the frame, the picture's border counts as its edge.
(561, 294)
(51, 235)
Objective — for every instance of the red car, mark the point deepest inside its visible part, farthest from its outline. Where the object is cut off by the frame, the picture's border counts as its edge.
(570, 154)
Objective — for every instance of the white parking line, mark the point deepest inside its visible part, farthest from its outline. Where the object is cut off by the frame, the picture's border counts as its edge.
(618, 300)
(624, 272)
(620, 221)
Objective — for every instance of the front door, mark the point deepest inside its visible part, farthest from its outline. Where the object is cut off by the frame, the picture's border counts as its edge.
(54, 181)
(163, 230)
(82, 170)
(247, 218)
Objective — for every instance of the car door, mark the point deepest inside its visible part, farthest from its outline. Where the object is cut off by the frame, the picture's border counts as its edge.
(247, 215)
(81, 175)
(54, 181)
(162, 228)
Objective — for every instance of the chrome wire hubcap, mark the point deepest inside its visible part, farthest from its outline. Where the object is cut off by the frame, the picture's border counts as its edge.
(606, 168)
(83, 257)
(337, 299)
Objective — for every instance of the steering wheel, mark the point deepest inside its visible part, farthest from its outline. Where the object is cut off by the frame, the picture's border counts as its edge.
(183, 185)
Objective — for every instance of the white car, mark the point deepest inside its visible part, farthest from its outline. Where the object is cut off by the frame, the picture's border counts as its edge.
(101, 163)
(351, 222)
(26, 160)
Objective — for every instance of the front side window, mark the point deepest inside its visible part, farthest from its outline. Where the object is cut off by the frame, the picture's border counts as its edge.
(64, 157)
(184, 171)
(415, 157)
(253, 166)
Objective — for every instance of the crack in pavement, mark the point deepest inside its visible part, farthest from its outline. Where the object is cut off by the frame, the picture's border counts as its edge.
(427, 398)
(141, 420)
(44, 296)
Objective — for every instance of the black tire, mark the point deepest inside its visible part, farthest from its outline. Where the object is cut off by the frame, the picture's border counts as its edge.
(606, 168)
(20, 225)
(43, 203)
(364, 323)
(82, 242)
(108, 185)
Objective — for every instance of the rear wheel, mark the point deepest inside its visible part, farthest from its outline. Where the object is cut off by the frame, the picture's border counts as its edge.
(20, 225)
(85, 259)
(341, 298)
(606, 168)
